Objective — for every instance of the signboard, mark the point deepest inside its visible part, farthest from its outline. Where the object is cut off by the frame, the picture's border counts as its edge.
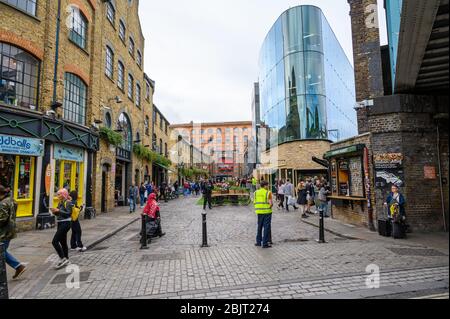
(48, 179)
(388, 160)
(429, 172)
(350, 149)
(68, 153)
(18, 145)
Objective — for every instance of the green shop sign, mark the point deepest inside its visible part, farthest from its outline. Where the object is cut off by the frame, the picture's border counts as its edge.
(342, 151)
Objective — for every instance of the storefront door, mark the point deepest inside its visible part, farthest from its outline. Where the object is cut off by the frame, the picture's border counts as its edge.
(69, 175)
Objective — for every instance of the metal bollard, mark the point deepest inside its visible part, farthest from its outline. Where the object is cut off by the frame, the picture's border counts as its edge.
(321, 227)
(144, 238)
(3, 277)
(204, 231)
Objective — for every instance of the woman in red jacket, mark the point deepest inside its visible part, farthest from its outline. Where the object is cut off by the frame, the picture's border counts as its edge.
(151, 209)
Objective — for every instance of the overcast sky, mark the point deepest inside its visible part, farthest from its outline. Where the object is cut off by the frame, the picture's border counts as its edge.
(203, 54)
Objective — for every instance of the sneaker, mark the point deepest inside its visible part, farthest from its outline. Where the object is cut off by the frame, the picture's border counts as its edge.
(268, 246)
(258, 245)
(162, 234)
(62, 263)
(19, 271)
(82, 249)
(74, 249)
(305, 216)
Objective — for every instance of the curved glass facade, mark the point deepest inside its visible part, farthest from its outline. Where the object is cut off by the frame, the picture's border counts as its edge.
(307, 87)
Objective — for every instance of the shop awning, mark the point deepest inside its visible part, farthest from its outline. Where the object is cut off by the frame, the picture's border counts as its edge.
(344, 151)
(162, 166)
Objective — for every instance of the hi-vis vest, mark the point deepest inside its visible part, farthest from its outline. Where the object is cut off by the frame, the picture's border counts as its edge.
(262, 205)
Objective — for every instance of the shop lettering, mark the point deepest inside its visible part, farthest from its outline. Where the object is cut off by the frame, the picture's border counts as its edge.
(10, 141)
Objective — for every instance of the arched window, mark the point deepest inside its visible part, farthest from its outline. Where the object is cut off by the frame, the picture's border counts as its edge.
(122, 30)
(19, 77)
(111, 13)
(79, 27)
(138, 95)
(139, 58)
(130, 86)
(131, 46)
(147, 125)
(219, 131)
(124, 125)
(75, 99)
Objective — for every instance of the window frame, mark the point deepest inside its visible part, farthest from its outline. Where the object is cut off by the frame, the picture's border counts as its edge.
(111, 9)
(121, 76)
(131, 47)
(122, 26)
(83, 24)
(130, 91)
(78, 116)
(137, 94)
(139, 58)
(26, 11)
(109, 62)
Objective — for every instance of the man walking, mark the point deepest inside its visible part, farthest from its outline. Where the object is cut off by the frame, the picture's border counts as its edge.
(132, 196)
(289, 194)
(207, 194)
(8, 230)
(263, 209)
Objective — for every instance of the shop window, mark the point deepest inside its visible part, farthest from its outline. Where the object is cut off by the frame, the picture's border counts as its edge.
(79, 27)
(75, 99)
(24, 181)
(69, 175)
(19, 77)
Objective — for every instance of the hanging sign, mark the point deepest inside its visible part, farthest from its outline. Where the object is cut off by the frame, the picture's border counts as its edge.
(18, 145)
(48, 179)
(68, 153)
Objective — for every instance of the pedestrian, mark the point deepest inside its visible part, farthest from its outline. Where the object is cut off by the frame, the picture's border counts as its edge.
(197, 188)
(8, 229)
(301, 198)
(142, 191)
(63, 214)
(132, 196)
(316, 189)
(395, 203)
(75, 239)
(289, 194)
(163, 192)
(254, 183)
(322, 198)
(149, 188)
(263, 209)
(309, 195)
(207, 194)
(152, 210)
(281, 195)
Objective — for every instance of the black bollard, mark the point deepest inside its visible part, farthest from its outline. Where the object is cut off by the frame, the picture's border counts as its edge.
(321, 227)
(3, 278)
(144, 239)
(204, 231)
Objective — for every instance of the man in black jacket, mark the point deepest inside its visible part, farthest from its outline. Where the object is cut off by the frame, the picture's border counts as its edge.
(207, 194)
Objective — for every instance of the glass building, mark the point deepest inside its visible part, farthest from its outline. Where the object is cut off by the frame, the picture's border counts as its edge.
(307, 86)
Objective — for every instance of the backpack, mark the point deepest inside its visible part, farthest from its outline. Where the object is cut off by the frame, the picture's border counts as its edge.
(75, 213)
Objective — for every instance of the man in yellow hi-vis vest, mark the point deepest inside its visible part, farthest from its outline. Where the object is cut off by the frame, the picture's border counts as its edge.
(263, 208)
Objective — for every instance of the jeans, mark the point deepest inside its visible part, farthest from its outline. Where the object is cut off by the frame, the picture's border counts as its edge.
(142, 197)
(10, 259)
(60, 239)
(264, 230)
(132, 204)
(75, 240)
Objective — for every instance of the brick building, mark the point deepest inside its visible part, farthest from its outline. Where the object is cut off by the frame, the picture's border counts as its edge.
(224, 142)
(402, 116)
(70, 68)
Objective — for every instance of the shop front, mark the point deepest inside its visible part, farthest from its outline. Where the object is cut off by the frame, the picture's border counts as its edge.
(350, 184)
(19, 158)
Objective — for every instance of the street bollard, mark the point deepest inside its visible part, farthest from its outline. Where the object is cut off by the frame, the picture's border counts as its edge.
(3, 277)
(321, 227)
(144, 238)
(204, 231)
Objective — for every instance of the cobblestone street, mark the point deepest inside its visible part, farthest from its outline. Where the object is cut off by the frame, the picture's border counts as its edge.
(297, 266)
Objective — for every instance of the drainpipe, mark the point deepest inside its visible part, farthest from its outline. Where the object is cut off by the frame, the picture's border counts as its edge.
(440, 176)
(55, 74)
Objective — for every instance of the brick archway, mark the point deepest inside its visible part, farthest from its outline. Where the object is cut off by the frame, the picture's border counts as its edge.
(27, 45)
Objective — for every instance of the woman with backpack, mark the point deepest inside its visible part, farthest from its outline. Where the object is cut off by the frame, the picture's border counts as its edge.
(75, 240)
(63, 214)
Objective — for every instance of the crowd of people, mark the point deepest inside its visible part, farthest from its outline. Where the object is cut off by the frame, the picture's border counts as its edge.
(310, 196)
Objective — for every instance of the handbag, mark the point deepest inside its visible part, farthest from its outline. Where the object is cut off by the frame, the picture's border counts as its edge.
(291, 200)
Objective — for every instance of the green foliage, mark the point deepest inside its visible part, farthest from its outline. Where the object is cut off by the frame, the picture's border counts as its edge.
(144, 153)
(110, 136)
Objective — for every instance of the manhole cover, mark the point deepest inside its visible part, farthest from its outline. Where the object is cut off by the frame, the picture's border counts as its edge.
(61, 279)
(155, 257)
(416, 252)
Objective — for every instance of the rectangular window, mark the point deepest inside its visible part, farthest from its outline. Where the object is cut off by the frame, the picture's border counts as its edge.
(109, 68)
(130, 86)
(19, 77)
(138, 95)
(120, 75)
(28, 6)
(75, 99)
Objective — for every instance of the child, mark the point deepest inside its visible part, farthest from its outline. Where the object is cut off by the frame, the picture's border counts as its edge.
(75, 240)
